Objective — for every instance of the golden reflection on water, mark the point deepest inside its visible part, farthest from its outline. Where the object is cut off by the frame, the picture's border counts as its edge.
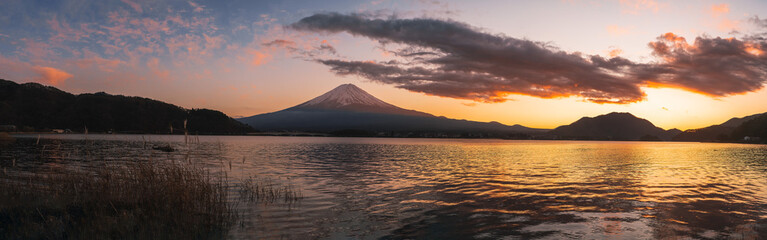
(484, 189)
(661, 189)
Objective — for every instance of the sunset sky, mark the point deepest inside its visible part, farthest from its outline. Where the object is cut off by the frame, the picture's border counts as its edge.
(679, 64)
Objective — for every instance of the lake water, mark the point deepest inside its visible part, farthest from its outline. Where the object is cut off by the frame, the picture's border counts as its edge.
(373, 188)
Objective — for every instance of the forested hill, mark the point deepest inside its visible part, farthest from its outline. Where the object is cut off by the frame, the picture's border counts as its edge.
(34, 107)
(613, 126)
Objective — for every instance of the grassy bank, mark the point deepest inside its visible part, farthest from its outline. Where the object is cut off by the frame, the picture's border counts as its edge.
(139, 200)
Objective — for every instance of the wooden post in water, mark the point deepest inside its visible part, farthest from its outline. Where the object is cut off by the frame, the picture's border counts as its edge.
(186, 134)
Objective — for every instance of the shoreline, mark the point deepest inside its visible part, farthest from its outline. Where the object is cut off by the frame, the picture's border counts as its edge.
(326, 135)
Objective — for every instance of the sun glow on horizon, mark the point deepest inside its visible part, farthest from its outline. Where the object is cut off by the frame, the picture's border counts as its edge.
(205, 54)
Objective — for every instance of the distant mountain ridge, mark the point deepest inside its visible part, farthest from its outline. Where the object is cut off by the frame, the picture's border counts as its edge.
(625, 126)
(35, 107)
(347, 107)
(613, 126)
(735, 122)
(733, 129)
(754, 130)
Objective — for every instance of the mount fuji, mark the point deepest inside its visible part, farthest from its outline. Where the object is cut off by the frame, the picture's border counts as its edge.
(348, 97)
(347, 107)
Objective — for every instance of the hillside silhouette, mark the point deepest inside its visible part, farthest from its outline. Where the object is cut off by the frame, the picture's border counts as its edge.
(35, 107)
(613, 126)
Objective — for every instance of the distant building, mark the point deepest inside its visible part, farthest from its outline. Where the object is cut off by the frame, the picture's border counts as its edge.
(7, 128)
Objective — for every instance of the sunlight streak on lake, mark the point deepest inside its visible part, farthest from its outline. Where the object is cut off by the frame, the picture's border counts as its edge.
(461, 189)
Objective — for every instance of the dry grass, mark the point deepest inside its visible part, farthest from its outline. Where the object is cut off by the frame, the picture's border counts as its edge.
(267, 191)
(129, 200)
(139, 200)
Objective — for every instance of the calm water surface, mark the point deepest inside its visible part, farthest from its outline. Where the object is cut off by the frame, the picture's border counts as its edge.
(377, 188)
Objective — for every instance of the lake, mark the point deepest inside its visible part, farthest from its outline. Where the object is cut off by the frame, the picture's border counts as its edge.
(388, 188)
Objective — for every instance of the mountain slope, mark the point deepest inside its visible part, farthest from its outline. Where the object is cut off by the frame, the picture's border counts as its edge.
(722, 132)
(754, 128)
(349, 97)
(37, 107)
(735, 122)
(349, 107)
(613, 126)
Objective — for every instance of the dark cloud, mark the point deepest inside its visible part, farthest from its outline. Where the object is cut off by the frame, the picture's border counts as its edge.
(322, 49)
(759, 22)
(280, 43)
(452, 59)
(711, 66)
(327, 48)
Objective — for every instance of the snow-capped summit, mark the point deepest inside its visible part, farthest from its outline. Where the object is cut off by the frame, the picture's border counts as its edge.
(352, 98)
(349, 108)
(345, 95)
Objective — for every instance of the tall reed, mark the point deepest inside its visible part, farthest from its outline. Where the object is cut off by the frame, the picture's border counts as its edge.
(135, 200)
(266, 190)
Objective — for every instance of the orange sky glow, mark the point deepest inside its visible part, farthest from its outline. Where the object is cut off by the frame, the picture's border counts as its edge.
(652, 58)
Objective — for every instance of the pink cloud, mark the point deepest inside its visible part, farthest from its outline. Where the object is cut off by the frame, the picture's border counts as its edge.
(636, 6)
(728, 25)
(145, 50)
(92, 59)
(719, 13)
(37, 51)
(616, 30)
(51, 76)
(151, 25)
(259, 57)
(157, 71)
(13, 69)
(118, 17)
(265, 20)
(213, 42)
(133, 5)
(204, 24)
(176, 19)
(63, 30)
(614, 52)
(129, 48)
(195, 7)
(721, 9)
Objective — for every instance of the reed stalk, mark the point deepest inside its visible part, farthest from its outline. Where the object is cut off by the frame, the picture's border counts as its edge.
(137, 200)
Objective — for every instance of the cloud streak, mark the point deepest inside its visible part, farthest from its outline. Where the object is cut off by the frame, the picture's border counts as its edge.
(453, 59)
(51, 76)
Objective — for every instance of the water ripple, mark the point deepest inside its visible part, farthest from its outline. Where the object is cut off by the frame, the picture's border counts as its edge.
(366, 188)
